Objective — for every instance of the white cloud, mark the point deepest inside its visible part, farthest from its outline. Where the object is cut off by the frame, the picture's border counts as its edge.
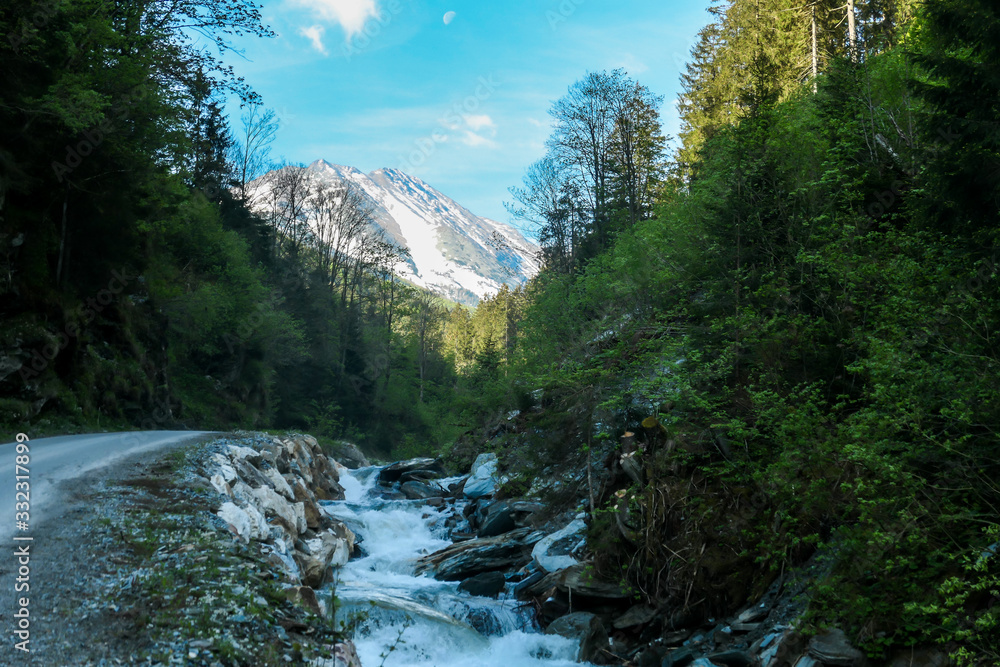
(631, 64)
(350, 14)
(474, 140)
(478, 122)
(535, 122)
(315, 35)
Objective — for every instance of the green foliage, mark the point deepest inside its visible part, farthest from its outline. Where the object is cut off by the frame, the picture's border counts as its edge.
(139, 290)
(811, 318)
(967, 611)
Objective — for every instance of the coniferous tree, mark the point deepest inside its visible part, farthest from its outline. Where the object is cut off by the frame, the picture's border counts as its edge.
(960, 55)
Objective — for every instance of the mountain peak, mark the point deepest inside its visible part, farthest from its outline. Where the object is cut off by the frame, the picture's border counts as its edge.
(453, 252)
(391, 172)
(339, 169)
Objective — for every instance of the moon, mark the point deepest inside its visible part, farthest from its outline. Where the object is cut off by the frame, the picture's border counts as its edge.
(449, 17)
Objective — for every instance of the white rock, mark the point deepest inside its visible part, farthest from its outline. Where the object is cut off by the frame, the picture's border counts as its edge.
(221, 485)
(240, 452)
(237, 519)
(261, 529)
(553, 562)
(226, 469)
(271, 503)
(299, 449)
(330, 549)
(482, 460)
(300, 517)
(244, 495)
(279, 483)
(483, 481)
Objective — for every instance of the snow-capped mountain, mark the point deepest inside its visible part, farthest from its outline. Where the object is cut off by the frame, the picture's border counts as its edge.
(453, 252)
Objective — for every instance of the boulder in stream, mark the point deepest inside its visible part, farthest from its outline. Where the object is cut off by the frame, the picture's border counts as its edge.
(415, 490)
(466, 559)
(484, 480)
(349, 455)
(554, 552)
(496, 519)
(392, 473)
(584, 628)
(487, 584)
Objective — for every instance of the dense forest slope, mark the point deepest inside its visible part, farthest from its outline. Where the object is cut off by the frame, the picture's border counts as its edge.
(139, 289)
(798, 340)
(775, 345)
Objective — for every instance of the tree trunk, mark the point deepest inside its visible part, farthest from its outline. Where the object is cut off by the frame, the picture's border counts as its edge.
(852, 30)
(62, 243)
(815, 51)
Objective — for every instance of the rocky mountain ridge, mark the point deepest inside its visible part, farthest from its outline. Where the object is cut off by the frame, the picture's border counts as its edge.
(453, 252)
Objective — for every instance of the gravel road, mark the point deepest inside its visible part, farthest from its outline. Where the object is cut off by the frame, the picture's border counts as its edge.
(64, 474)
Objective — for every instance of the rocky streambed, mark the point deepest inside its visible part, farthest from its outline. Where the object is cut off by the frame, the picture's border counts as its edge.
(262, 550)
(432, 569)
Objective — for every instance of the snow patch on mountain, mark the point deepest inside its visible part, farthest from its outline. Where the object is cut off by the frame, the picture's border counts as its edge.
(454, 252)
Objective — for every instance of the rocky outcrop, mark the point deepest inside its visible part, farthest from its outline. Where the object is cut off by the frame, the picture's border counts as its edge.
(514, 544)
(271, 498)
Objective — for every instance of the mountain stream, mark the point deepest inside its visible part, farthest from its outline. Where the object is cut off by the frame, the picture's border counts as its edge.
(399, 619)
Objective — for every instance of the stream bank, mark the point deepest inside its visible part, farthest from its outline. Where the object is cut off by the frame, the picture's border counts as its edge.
(188, 574)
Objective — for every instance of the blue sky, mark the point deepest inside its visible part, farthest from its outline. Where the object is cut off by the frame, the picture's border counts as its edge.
(462, 104)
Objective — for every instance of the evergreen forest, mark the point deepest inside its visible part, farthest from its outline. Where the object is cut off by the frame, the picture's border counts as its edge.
(790, 312)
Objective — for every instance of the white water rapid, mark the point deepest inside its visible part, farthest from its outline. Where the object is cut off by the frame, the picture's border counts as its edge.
(423, 621)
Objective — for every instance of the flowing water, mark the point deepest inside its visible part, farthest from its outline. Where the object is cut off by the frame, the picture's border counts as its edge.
(403, 620)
